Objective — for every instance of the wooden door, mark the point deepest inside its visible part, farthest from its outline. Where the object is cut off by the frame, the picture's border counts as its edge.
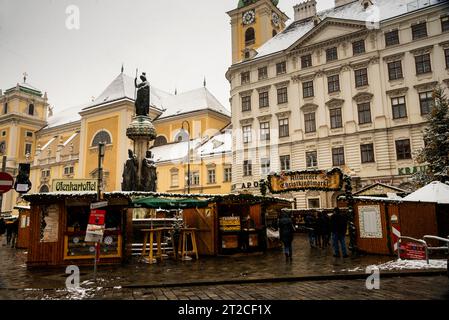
(205, 220)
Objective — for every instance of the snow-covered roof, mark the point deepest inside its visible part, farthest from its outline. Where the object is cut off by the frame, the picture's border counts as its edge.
(64, 116)
(194, 100)
(433, 192)
(217, 144)
(381, 9)
(175, 151)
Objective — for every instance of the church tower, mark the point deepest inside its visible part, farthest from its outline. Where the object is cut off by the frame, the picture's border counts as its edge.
(253, 23)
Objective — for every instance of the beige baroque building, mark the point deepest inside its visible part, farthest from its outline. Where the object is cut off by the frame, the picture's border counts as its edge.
(348, 87)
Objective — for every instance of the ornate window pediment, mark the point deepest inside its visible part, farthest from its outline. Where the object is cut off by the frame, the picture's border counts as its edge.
(309, 107)
(429, 86)
(444, 44)
(334, 103)
(246, 121)
(421, 51)
(332, 72)
(263, 89)
(246, 93)
(394, 57)
(264, 117)
(282, 84)
(363, 97)
(284, 114)
(360, 64)
(397, 92)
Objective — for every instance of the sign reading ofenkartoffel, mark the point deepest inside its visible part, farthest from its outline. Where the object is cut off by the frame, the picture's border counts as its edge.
(75, 185)
(96, 226)
(306, 180)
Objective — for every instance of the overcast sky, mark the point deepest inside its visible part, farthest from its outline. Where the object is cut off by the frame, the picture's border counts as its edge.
(177, 43)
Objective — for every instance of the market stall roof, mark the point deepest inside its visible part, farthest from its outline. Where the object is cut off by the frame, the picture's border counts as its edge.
(433, 192)
(166, 203)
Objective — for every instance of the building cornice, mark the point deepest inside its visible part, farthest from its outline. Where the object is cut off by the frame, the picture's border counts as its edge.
(429, 86)
(397, 92)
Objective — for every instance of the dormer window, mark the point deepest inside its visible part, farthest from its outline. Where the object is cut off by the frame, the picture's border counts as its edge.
(31, 109)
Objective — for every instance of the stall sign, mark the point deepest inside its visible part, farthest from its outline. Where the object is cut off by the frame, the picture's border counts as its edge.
(71, 185)
(413, 251)
(96, 226)
(230, 223)
(306, 180)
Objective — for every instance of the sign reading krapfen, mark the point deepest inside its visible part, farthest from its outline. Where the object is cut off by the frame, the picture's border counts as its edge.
(306, 180)
(75, 185)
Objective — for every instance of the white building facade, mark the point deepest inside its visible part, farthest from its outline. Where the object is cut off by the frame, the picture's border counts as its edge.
(348, 87)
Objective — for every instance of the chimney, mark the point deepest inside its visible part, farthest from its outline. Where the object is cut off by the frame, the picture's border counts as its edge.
(305, 10)
(339, 3)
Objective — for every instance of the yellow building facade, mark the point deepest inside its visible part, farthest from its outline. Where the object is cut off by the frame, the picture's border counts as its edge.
(63, 143)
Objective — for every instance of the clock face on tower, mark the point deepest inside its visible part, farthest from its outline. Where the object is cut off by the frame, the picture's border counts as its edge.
(249, 17)
(275, 19)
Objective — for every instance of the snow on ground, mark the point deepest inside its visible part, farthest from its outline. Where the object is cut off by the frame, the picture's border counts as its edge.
(413, 264)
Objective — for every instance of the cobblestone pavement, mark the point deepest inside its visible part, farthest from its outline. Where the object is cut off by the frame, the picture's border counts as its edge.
(306, 262)
(406, 288)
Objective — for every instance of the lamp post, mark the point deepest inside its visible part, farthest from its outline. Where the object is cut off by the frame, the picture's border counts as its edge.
(188, 152)
(101, 149)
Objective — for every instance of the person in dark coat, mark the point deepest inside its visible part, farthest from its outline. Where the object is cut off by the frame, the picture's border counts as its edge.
(326, 229)
(286, 230)
(14, 232)
(310, 224)
(8, 232)
(339, 224)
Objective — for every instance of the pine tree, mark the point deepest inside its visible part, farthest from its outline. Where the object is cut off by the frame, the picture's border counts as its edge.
(436, 142)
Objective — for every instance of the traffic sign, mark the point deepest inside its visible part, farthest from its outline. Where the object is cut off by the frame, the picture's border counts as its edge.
(97, 205)
(6, 182)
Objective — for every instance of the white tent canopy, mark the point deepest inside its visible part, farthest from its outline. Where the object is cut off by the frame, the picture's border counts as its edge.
(433, 192)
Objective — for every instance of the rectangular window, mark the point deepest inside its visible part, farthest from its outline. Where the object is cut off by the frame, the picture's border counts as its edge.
(361, 77)
(395, 70)
(265, 166)
(68, 170)
(419, 30)
(403, 150)
(3, 133)
(246, 134)
(281, 68)
(45, 173)
(446, 57)
(211, 176)
(333, 83)
(313, 203)
(283, 128)
(331, 54)
(246, 103)
(358, 47)
(338, 156)
(247, 168)
(264, 131)
(311, 159)
(29, 134)
(399, 107)
(307, 89)
(227, 174)
(28, 147)
(336, 118)
(282, 95)
(262, 73)
(364, 110)
(422, 63)
(195, 178)
(264, 99)
(174, 178)
(306, 61)
(285, 163)
(245, 77)
(367, 152)
(309, 122)
(391, 38)
(426, 102)
(445, 23)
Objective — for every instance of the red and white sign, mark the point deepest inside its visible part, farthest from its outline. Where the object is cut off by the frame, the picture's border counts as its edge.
(95, 228)
(413, 251)
(6, 182)
(97, 217)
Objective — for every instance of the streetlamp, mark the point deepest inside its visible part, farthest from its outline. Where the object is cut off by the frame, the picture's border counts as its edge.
(101, 151)
(188, 157)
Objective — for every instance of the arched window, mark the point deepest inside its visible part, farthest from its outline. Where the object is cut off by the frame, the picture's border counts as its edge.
(160, 141)
(182, 135)
(274, 33)
(250, 36)
(101, 136)
(31, 109)
(44, 189)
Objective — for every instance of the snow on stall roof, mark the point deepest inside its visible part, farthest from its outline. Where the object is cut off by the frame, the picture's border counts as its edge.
(385, 9)
(433, 192)
(198, 99)
(217, 144)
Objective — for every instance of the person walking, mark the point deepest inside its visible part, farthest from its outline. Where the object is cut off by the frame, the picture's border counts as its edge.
(8, 232)
(2, 227)
(339, 223)
(326, 229)
(14, 232)
(310, 225)
(286, 230)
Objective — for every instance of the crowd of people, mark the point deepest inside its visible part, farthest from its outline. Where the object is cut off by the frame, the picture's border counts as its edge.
(9, 227)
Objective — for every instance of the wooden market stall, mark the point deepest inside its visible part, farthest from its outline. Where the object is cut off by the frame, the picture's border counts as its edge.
(379, 221)
(58, 223)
